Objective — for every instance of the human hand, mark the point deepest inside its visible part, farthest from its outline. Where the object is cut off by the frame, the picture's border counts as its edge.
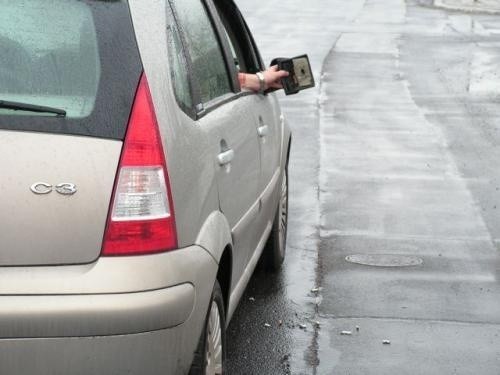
(272, 77)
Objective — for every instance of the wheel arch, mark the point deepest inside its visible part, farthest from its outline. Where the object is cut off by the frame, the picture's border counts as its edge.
(286, 141)
(224, 276)
(215, 237)
(288, 149)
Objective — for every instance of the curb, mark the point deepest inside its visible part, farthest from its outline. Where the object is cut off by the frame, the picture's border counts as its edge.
(465, 8)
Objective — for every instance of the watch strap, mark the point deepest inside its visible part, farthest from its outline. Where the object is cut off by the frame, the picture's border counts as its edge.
(262, 82)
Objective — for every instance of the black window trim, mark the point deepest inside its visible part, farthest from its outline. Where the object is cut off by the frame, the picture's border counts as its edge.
(249, 35)
(193, 87)
(224, 44)
(222, 100)
(235, 19)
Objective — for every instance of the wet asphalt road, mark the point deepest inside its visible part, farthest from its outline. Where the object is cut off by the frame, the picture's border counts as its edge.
(395, 158)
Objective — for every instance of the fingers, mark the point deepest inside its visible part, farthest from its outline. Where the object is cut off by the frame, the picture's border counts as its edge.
(277, 73)
(277, 76)
(282, 74)
(276, 85)
(273, 76)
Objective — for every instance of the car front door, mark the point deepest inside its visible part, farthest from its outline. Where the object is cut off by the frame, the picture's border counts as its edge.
(264, 109)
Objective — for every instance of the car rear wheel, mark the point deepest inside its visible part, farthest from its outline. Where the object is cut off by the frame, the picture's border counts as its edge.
(274, 252)
(210, 355)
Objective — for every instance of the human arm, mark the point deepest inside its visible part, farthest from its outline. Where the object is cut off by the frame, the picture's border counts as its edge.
(272, 79)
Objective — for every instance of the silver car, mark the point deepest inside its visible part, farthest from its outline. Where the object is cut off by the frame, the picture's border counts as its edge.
(139, 184)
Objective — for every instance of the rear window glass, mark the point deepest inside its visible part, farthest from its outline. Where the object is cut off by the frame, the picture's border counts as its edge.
(79, 57)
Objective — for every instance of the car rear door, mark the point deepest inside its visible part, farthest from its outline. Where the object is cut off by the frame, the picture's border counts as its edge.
(224, 115)
(58, 164)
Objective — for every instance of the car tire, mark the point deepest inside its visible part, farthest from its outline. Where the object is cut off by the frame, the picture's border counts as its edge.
(210, 356)
(274, 252)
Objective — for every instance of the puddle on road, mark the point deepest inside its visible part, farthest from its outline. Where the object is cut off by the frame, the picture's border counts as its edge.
(384, 260)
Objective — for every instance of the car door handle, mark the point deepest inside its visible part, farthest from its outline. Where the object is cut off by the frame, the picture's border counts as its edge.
(263, 130)
(225, 157)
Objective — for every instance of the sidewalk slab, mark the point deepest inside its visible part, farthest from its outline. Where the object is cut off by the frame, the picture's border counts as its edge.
(473, 6)
(416, 347)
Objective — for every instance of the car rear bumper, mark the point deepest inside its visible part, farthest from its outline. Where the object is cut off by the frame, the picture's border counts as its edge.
(151, 353)
(93, 315)
(134, 315)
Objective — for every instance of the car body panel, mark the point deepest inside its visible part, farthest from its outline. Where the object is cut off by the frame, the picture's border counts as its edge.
(53, 228)
(231, 127)
(239, 287)
(111, 275)
(152, 353)
(215, 235)
(107, 278)
(266, 115)
(81, 315)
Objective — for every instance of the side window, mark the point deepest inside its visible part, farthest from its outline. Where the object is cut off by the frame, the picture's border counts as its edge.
(178, 66)
(208, 64)
(239, 62)
(245, 55)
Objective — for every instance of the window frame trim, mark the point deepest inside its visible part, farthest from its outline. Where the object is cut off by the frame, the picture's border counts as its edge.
(193, 87)
(251, 40)
(231, 11)
(224, 44)
(223, 100)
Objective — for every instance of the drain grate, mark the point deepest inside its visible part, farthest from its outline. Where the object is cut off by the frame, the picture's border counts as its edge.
(384, 260)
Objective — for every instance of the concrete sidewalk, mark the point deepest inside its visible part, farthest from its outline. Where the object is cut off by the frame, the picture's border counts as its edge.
(483, 6)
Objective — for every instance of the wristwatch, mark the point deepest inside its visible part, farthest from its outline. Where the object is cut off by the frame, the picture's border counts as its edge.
(262, 82)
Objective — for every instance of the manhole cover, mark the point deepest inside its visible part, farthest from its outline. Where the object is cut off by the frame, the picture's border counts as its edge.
(384, 260)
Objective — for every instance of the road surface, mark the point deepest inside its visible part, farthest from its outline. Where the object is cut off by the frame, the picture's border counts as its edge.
(394, 166)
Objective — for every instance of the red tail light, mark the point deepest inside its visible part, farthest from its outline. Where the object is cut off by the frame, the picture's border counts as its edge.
(141, 219)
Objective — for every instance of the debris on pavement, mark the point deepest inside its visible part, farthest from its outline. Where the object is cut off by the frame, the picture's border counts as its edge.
(285, 362)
